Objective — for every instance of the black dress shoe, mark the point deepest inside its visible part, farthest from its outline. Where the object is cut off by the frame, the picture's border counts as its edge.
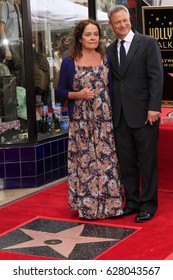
(143, 217)
(129, 211)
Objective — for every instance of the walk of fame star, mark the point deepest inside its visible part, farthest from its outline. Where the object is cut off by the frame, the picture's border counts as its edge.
(62, 242)
(61, 239)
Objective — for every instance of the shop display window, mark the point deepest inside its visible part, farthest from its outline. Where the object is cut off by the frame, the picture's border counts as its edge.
(13, 111)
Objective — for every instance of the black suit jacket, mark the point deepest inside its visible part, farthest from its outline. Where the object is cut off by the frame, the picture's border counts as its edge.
(140, 86)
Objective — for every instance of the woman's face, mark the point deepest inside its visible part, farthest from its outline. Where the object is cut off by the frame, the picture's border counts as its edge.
(90, 37)
(66, 42)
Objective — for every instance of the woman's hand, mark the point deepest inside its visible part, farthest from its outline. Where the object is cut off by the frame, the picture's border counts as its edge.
(86, 93)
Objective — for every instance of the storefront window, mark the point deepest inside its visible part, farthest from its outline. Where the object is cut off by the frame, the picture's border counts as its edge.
(52, 25)
(13, 111)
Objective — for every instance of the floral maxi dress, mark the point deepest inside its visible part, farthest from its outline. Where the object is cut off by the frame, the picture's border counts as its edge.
(94, 183)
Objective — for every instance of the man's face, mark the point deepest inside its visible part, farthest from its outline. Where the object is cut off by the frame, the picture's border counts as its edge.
(120, 23)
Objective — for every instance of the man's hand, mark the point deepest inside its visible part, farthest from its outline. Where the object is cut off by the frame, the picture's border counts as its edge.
(153, 116)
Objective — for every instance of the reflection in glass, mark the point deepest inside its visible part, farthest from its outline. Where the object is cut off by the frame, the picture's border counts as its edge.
(12, 75)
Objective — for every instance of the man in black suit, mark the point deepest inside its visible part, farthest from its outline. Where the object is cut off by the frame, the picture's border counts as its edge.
(136, 103)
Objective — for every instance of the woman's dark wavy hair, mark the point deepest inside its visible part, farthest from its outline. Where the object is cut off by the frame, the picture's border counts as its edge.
(75, 50)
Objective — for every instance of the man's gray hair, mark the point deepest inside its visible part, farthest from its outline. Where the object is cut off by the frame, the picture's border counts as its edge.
(116, 8)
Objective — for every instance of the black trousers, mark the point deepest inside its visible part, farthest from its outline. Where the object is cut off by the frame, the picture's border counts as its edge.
(137, 150)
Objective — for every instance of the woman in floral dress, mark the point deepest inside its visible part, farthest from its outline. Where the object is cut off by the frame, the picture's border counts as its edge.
(85, 80)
